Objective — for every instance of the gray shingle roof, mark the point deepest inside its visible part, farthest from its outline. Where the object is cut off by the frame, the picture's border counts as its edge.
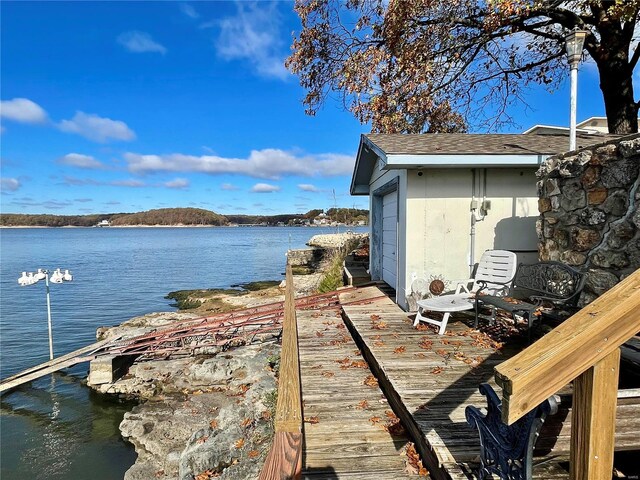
(478, 144)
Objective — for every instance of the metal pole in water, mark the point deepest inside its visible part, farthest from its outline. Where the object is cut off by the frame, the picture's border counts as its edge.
(46, 281)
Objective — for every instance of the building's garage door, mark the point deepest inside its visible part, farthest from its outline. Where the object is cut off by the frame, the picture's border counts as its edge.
(389, 237)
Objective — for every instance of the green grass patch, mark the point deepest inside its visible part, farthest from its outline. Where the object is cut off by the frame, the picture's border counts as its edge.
(333, 276)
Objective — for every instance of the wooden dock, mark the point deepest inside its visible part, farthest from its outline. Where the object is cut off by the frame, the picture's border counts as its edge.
(430, 379)
(347, 417)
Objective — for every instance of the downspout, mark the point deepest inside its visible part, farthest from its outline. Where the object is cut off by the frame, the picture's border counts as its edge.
(478, 213)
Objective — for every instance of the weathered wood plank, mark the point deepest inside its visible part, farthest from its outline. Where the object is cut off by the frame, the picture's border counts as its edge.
(341, 441)
(594, 414)
(284, 460)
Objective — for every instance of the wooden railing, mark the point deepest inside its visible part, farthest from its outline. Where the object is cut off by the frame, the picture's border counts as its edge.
(585, 348)
(284, 460)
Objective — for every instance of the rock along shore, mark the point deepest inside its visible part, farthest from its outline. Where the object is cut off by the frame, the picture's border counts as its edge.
(209, 415)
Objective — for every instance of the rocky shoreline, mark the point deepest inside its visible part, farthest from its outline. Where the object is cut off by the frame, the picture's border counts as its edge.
(208, 415)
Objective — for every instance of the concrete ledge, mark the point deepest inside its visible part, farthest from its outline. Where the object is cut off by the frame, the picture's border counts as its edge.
(109, 369)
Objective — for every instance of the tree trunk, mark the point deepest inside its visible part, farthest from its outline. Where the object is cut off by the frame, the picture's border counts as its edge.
(616, 75)
(616, 83)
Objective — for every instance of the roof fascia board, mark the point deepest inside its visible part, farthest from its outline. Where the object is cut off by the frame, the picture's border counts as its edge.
(365, 165)
(460, 161)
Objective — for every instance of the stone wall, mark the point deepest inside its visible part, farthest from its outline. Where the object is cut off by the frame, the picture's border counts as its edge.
(589, 216)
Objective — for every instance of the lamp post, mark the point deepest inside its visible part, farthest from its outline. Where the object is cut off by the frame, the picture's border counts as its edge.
(57, 276)
(574, 43)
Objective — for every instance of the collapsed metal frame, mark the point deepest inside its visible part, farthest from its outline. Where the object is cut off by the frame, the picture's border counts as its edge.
(238, 327)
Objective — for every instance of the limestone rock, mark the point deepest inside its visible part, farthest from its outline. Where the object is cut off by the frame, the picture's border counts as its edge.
(629, 148)
(599, 281)
(620, 174)
(617, 203)
(584, 239)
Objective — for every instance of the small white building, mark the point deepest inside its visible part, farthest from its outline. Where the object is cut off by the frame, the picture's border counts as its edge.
(437, 201)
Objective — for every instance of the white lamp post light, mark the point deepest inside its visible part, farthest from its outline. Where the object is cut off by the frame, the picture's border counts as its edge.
(31, 278)
(574, 43)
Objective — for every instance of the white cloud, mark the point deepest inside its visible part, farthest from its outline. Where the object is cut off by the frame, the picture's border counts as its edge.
(140, 42)
(307, 187)
(9, 184)
(264, 188)
(80, 161)
(189, 11)
(128, 183)
(22, 110)
(177, 183)
(97, 129)
(254, 34)
(228, 186)
(269, 163)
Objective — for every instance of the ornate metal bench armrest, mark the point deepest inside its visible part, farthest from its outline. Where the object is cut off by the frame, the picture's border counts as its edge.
(506, 450)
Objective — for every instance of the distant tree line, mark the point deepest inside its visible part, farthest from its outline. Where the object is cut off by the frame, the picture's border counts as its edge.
(180, 216)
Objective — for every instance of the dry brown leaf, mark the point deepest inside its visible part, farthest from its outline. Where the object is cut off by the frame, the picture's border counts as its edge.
(311, 420)
(239, 443)
(420, 355)
(246, 422)
(374, 317)
(437, 370)
(213, 424)
(414, 462)
(319, 334)
(328, 374)
(378, 343)
(375, 420)
(425, 343)
(362, 405)
(371, 381)
(206, 475)
(202, 439)
(400, 349)
(253, 454)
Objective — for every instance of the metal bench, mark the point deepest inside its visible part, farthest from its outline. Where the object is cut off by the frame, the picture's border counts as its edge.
(508, 451)
(536, 285)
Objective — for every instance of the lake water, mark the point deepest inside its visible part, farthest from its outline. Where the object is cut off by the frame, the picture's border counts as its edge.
(55, 427)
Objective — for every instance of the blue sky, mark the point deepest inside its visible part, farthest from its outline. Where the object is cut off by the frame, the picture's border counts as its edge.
(129, 106)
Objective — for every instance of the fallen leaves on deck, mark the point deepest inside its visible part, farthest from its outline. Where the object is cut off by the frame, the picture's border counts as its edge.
(363, 404)
(311, 420)
(375, 420)
(414, 462)
(425, 343)
(371, 381)
(400, 349)
(328, 374)
(437, 370)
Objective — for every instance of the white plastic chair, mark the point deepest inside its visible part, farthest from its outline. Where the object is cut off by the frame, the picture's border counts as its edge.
(494, 275)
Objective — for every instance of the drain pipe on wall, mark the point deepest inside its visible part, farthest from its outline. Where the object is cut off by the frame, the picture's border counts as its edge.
(478, 213)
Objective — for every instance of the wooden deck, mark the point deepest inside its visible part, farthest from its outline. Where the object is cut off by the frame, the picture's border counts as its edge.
(344, 429)
(430, 379)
